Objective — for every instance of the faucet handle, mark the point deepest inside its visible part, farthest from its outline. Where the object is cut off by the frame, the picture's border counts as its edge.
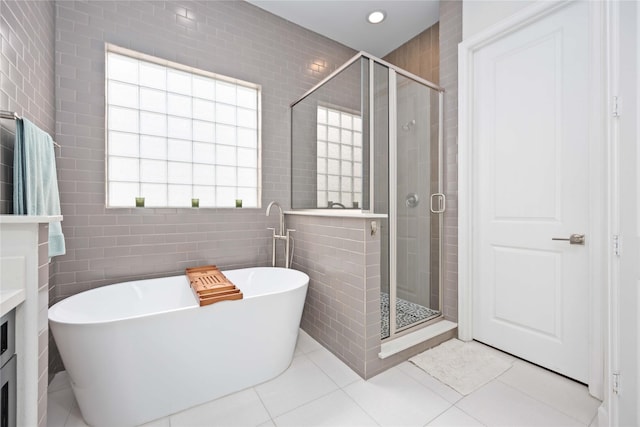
(272, 229)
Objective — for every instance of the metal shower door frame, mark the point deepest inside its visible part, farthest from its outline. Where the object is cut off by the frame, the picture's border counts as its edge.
(393, 187)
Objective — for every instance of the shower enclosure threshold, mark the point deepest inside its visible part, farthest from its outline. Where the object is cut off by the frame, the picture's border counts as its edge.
(395, 346)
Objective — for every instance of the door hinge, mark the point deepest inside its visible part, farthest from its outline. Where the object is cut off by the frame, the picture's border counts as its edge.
(614, 107)
(616, 245)
(616, 382)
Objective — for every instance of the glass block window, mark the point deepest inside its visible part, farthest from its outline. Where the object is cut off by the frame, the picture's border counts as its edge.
(339, 174)
(175, 133)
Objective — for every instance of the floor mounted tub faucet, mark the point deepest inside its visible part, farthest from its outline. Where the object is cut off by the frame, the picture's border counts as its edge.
(280, 235)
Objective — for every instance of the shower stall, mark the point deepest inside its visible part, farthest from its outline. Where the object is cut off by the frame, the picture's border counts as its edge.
(368, 140)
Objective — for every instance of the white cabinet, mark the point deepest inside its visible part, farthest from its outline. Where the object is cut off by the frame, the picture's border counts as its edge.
(24, 286)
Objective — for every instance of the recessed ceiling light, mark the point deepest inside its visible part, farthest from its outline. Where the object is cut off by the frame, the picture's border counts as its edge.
(376, 17)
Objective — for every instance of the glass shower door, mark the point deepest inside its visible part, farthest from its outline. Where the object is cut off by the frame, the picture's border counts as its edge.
(407, 180)
(416, 227)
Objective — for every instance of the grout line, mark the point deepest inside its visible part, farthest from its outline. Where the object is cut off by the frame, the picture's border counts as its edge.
(303, 404)
(66, 419)
(359, 406)
(327, 374)
(306, 354)
(555, 376)
(439, 415)
(435, 379)
(467, 414)
(263, 405)
(306, 403)
(428, 389)
(560, 411)
(66, 408)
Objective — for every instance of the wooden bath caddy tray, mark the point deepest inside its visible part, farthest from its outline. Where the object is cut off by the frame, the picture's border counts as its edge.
(210, 285)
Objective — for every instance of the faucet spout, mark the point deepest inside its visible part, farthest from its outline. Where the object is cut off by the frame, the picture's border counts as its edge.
(281, 218)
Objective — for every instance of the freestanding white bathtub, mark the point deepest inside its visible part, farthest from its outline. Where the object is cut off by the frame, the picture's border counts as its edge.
(141, 350)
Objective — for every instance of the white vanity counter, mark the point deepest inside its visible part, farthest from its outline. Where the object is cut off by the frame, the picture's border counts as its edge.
(18, 234)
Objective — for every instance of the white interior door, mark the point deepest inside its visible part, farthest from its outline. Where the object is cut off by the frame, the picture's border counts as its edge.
(532, 182)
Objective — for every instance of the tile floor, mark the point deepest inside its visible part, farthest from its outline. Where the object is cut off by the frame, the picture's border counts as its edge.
(319, 390)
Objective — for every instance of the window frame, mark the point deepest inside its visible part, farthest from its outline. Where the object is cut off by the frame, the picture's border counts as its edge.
(139, 56)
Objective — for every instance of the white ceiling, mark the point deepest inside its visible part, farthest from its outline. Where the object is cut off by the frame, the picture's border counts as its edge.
(346, 21)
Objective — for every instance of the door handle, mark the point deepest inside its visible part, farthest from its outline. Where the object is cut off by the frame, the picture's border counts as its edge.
(574, 239)
(442, 200)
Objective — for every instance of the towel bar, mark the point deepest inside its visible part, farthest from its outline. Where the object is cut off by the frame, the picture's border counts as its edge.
(12, 115)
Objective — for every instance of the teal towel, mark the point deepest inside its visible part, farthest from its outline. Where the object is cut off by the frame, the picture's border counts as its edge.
(35, 184)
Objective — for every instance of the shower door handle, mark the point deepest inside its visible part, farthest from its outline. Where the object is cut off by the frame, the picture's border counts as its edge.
(442, 199)
(574, 239)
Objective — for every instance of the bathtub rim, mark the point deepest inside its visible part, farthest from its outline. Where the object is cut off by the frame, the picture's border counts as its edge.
(51, 312)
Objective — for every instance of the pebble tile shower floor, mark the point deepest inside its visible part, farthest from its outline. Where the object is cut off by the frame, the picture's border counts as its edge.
(319, 390)
(407, 313)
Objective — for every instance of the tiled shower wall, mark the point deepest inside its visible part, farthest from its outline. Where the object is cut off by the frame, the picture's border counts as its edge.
(27, 88)
(342, 309)
(341, 314)
(232, 38)
(420, 56)
(333, 252)
(417, 57)
(343, 260)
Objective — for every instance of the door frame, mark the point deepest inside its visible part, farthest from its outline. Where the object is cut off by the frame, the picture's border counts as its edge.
(599, 172)
(621, 133)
